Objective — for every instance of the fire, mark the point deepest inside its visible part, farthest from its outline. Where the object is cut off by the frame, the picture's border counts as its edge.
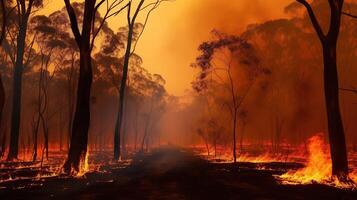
(318, 167)
(264, 158)
(84, 166)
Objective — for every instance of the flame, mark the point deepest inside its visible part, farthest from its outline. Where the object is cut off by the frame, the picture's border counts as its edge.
(318, 168)
(84, 166)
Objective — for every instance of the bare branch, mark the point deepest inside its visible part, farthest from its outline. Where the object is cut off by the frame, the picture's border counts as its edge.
(107, 15)
(155, 5)
(350, 15)
(313, 18)
(74, 23)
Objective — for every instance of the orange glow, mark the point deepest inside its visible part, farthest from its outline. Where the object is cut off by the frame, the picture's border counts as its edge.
(318, 168)
(176, 47)
(84, 166)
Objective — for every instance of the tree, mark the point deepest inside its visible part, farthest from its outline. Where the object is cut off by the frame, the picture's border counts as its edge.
(85, 42)
(331, 84)
(24, 10)
(154, 92)
(66, 63)
(131, 21)
(219, 61)
(2, 89)
(50, 45)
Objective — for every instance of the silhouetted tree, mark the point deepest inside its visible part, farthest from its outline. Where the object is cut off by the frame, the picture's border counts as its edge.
(24, 10)
(85, 42)
(2, 89)
(230, 48)
(335, 124)
(130, 49)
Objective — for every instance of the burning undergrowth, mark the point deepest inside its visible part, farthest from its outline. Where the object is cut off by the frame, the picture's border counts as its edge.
(302, 165)
(26, 174)
(318, 168)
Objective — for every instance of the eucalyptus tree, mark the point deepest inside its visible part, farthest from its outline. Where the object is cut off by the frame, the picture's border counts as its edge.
(85, 40)
(220, 61)
(132, 14)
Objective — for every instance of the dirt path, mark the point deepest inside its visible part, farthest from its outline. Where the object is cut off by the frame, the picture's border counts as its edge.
(175, 174)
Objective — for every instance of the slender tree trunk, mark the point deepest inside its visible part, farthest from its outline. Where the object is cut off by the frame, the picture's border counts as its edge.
(118, 124)
(45, 134)
(234, 136)
(136, 128)
(2, 100)
(125, 127)
(335, 125)
(17, 91)
(2, 37)
(147, 124)
(242, 137)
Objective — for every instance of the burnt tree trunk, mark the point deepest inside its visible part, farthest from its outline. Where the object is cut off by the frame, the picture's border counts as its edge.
(335, 126)
(128, 53)
(118, 124)
(331, 86)
(80, 126)
(17, 89)
(79, 136)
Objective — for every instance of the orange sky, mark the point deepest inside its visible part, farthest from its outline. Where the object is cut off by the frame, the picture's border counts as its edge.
(174, 31)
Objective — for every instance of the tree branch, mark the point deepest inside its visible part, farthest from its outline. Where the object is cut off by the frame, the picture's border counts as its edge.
(74, 22)
(313, 18)
(349, 15)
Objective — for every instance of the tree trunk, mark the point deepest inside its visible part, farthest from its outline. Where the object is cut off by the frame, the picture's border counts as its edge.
(335, 126)
(136, 127)
(79, 136)
(17, 91)
(242, 137)
(70, 101)
(119, 120)
(118, 125)
(81, 120)
(2, 89)
(331, 86)
(2, 100)
(234, 136)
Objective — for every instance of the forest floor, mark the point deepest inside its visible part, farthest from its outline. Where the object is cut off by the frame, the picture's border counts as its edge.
(170, 173)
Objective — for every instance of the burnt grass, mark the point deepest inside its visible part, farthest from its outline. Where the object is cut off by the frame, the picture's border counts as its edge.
(174, 174)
